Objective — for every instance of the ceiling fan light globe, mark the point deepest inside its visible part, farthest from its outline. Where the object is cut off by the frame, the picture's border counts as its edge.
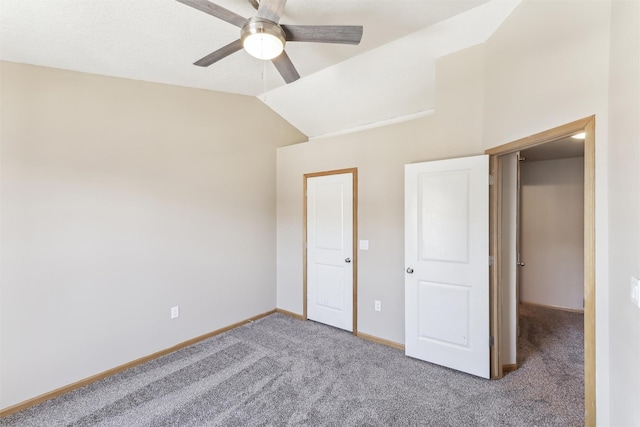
(262, 38)
(263, 45)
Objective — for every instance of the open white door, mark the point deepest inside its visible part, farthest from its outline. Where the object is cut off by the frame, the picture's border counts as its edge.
(329, 250)
(447, 263)
(509, 218)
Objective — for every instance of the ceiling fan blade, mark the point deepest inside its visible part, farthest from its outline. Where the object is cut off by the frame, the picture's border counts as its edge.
(217, 11)
(343, 34)
(285, 67)
(271, 9)
(223, 52)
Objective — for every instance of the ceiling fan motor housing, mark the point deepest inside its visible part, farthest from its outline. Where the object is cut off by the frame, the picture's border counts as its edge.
(268, 34)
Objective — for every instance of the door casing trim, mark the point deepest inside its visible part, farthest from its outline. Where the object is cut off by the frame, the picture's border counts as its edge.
(586, 125)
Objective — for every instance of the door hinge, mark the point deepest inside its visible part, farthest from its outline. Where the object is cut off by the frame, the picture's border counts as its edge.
(490, 179)
(491, 342)
(490, 260)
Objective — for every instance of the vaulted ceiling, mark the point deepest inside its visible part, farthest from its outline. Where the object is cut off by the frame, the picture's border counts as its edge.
(387, 77)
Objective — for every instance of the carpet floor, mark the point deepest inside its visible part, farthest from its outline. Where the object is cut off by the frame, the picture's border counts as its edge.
(279, 371)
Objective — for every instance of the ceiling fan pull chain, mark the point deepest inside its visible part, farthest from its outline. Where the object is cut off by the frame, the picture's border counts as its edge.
(264, 81)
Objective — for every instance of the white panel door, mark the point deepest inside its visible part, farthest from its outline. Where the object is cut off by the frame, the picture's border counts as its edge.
(447, 263)
(329, 250)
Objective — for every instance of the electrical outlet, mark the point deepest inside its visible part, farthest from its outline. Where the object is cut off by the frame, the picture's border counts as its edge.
(377, 305)
(175, 312)
(635, 291)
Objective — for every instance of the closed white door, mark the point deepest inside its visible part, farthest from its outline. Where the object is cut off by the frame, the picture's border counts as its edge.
(447, 263)
(330, 250)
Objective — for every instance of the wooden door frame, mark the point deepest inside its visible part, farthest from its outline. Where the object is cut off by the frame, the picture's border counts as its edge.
(586, 125)
(354, 257)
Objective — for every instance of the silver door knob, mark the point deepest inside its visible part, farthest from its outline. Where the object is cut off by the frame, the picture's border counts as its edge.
(521, 264)
(410, 270)
(347, 260)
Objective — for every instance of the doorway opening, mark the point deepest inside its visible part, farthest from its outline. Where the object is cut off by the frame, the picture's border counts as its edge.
(550, 269)
(330, 256)
(551, 225)
(497, 284)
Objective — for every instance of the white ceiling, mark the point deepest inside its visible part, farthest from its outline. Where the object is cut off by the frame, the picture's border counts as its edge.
(389, 76)
(563, 148)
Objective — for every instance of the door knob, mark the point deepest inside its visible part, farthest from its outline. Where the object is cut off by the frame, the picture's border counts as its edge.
(521, 264)
(347, 260)
(410, 270)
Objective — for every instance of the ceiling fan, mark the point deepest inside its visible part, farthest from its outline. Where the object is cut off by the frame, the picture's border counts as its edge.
(264, 38)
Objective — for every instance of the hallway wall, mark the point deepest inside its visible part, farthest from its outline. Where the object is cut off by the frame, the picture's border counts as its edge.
(553, 233)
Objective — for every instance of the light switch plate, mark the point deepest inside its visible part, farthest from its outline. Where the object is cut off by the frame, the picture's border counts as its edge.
(635, 290)
(364, 245)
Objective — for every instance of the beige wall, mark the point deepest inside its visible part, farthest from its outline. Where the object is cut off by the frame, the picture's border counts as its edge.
(547, 65)
(121, 199)
(380, 155)
(624, 211)
(552, 232)
(586, 61)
